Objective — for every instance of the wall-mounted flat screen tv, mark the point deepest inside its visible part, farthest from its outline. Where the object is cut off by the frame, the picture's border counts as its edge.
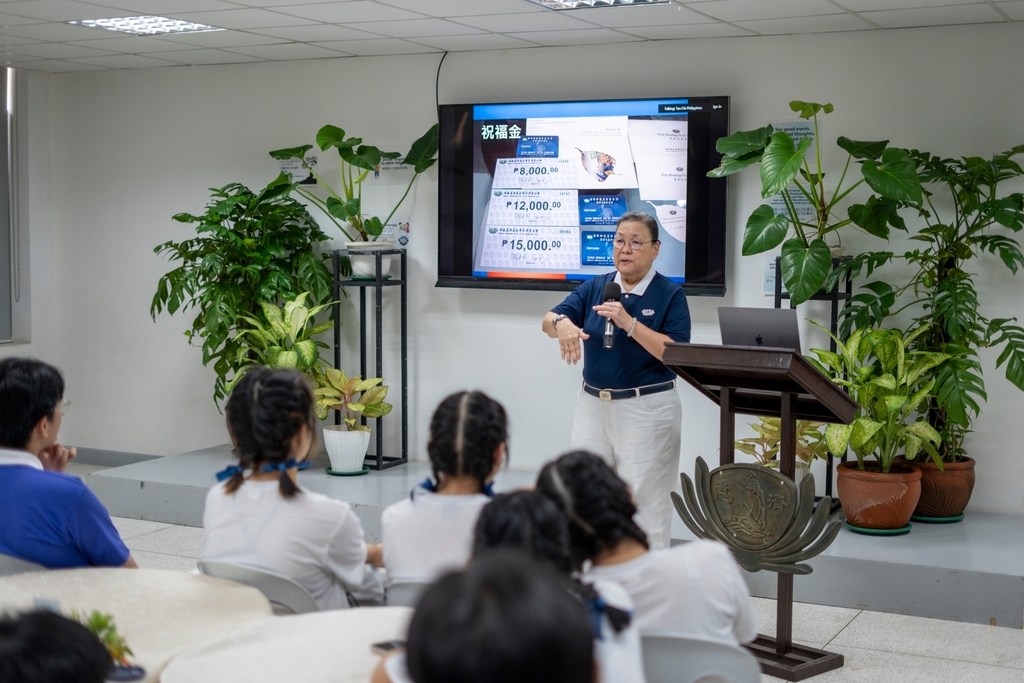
(530, 193)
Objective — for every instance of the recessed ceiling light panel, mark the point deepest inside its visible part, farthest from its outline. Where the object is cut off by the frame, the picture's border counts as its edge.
(583, 4)
(146, 26)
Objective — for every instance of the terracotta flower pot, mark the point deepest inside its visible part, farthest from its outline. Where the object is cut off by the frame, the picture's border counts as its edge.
(944, 494)
(873, 500)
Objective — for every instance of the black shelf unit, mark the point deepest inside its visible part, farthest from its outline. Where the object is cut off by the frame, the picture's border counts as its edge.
(834, 296)
(379, 283)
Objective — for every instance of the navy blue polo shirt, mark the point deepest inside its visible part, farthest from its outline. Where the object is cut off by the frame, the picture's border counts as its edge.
(662, 307)
(54, 520)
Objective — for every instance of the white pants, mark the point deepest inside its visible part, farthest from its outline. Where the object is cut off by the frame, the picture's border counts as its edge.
(640, 438)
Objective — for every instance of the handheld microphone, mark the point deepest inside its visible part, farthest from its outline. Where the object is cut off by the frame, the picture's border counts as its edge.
(612, 292)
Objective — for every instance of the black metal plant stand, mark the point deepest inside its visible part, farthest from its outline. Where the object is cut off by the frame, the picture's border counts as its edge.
(834, 296)
(376, 461)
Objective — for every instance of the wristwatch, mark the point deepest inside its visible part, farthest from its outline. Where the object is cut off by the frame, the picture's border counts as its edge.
(557, 319)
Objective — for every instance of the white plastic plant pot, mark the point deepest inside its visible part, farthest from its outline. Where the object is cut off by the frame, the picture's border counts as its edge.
(801, 471)
(346, 449)
(364, 265)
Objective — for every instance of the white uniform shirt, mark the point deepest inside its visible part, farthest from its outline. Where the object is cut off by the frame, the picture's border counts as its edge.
(429, 534)
(315, 540)
(693, 590)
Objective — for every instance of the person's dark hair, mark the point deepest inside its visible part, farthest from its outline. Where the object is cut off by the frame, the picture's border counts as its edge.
(505, 619)
(596, 502)
(466, 429)
(530, 522)
(640, 217)
(29, 391)
(43, 647)
(265, 410)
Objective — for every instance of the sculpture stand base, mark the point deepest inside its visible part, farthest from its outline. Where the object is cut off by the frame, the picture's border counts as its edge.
(799, 663)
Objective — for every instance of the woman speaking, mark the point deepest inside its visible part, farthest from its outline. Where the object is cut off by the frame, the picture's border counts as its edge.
(628, 411)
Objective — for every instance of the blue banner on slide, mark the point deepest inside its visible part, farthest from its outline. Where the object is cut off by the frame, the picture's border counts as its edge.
(596, 247)
(601, 209)
(537, 146)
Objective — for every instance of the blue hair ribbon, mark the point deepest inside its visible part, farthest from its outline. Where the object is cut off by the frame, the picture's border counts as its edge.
(429, 485)
(596, 608)
(228, 472)
(282, 466)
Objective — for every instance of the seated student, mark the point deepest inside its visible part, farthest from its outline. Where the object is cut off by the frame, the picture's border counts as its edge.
(431, 532)
(43, 647)
(505, 619)
(260, 516)
(49, 517)
(693, 590)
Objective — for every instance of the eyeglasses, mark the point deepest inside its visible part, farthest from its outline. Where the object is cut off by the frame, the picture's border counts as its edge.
(633, 244)
(63, 407)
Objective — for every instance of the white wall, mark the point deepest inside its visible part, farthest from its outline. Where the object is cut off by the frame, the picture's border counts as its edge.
(131, 148)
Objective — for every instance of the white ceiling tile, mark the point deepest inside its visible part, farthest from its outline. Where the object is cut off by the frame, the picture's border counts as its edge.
(484, 41)
(317, 32)
(57, 51)
(465, 8)
(827, 23)
(55, 10)
(55, 32)
(591, 36)
(274, 4)
(11, 20)
(287, 51)
(8, 58)
(242, 18)
(12, 40)
(870, 5)
(414, 28)
(208, 57)
(219, 39)
(750, 10)
(516, 23)
(165, 7)
(935, 16)
(56, 66)
(384, 46)
(348, 12)
(640, 15)
(126, 62)
(133, 45)
(1014, 10)
(686, 31)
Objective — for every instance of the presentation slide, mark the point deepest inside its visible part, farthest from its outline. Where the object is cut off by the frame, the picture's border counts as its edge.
(551, 181)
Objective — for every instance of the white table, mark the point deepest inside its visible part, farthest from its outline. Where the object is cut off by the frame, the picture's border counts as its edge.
(322, 647)
(159, 613)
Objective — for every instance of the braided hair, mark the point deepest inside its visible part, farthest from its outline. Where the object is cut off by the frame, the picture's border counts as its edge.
(530, 522)
(465, 431)
(267, 408)
(596, 502)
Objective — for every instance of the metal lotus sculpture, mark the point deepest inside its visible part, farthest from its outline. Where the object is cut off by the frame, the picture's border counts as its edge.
(760, 514)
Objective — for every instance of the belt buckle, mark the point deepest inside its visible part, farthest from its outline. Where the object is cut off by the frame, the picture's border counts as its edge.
(605, 394)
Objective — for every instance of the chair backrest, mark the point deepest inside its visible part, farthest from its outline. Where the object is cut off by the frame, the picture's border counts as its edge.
(285, 595)
(673, 659)
(10, 565)
(405, 594)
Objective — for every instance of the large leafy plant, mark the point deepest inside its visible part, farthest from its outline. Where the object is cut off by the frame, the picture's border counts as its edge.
(892, 384)
(353, 397)
(251, 248)
(940, 291)
(357, 162)
(806, 257)
(810, 441)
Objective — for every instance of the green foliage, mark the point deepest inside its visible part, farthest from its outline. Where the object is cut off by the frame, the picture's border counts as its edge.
(352, 397)
(810, 441)
(250, 249)
(941, 288)
(806, 258)
(892, 384)
(357, 161)
(103, 626)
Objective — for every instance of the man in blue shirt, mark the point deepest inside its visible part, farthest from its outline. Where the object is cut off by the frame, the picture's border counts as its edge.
(49, 517)
(628, 411)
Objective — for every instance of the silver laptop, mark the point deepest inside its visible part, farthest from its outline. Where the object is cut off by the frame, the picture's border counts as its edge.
(773, 327)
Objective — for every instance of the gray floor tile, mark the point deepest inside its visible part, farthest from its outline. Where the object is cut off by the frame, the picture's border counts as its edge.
(130, 528)
(813, 625)
(872, 666)
(82, 470)
(184, 541)
(936, 638)
(173, 563)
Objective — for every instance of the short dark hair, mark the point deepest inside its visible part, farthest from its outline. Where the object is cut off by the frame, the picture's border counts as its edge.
(505, 619)
(640, 217)
(43, 647)
(29, 391)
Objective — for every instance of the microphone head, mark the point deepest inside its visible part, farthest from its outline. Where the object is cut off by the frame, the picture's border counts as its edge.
(612, 292)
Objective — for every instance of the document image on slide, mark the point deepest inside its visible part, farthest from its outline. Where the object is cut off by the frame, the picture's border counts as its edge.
(598, 146)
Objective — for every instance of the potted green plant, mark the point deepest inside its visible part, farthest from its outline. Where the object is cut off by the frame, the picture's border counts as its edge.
(764, 448)
(345, 208)
(250, 248)
(892, 384)
(353, 398)
(806, 254)
(940, 292)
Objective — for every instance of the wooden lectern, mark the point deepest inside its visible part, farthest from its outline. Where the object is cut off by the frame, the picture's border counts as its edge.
(774, 383)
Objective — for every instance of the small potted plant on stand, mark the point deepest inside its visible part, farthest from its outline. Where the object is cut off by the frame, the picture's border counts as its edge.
(810, 444)
(353, 398)
(891, 384)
